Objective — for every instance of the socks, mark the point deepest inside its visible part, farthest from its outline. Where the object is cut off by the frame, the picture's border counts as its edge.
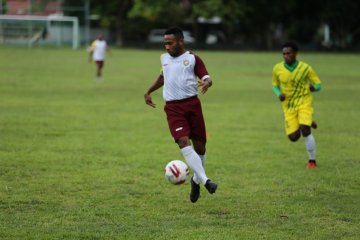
(196, 178)
(195, 163)
(203, 158)
(310, 146)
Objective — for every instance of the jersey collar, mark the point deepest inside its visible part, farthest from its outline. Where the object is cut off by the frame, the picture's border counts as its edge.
(292, 67)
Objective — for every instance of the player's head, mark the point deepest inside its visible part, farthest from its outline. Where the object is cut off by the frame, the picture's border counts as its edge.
(174, 41)
(289, 50)
(100, 36)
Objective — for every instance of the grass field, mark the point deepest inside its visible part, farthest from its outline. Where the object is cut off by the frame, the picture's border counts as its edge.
(84, 159)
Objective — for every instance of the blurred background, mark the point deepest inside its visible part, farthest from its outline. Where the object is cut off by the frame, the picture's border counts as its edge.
(328, 25)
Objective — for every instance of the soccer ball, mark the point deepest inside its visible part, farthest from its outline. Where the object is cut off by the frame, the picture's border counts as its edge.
(176, 172)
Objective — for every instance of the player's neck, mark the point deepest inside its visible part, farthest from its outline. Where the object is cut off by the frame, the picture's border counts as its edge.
(181, 52)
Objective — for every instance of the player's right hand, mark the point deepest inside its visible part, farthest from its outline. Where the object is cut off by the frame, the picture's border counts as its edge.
(312, 88)
(148, 100)
(282, 97)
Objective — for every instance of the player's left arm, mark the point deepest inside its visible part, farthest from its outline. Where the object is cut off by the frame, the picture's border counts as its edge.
(108, 50)
(201, 72)
(205, 84)
(315, 82)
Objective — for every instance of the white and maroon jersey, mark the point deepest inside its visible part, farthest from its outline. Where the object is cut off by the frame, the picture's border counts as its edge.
(180, 75)
(99, 48)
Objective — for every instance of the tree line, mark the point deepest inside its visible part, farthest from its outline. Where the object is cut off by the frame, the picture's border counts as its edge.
(260, 24)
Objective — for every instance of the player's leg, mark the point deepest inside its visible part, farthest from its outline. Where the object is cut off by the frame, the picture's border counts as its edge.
(309, 145)
(192, 158)
(180, 130)
(306, 122)
(292, 126)
(200, 149)
(195, 163)
(100, 65)
(198, 137)
(294, 136)
(97, 69)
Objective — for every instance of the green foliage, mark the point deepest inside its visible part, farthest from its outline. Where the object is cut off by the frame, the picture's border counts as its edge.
(168, 12)
(83, 159)
(37, 6)
(340, 16)
(254, 21)
(229, 10)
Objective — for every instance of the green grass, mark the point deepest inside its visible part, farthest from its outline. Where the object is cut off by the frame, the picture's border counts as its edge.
(81, 159)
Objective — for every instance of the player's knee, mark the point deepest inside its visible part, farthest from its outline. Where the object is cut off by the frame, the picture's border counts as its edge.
(183, 142)
(200, 149)
(294, 136)
(293, 139)
(305, 131)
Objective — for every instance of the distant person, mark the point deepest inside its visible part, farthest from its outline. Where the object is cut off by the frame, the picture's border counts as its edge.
(179, 72)
(97, 51)
(292, 82)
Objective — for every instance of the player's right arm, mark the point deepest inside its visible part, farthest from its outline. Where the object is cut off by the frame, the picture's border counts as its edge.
(91, 50)
(158, 83)
(276, 86)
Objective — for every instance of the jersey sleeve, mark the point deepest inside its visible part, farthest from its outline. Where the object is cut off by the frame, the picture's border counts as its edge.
(161, 68)
(200, 69)
(93, 46)
(275, 79)
(313, 77)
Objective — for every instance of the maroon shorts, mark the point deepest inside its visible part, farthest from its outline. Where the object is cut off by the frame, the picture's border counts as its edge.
(185, 118)
(100, 64)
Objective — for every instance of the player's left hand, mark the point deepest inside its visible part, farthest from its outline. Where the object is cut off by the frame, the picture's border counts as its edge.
(148, 100)
(204, 85)
(312, 88)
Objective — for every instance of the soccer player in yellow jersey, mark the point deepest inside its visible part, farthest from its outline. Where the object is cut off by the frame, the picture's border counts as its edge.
(292, 82)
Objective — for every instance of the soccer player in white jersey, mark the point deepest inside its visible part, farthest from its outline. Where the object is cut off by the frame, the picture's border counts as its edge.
(97, 51)
(179, 72)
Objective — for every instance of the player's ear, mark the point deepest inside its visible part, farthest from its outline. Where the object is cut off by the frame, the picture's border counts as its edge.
(181, 41)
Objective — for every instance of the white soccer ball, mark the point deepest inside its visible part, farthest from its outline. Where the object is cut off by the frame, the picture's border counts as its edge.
(176, 172)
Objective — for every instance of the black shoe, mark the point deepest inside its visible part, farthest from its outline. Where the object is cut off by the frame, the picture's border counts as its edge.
(211, 186)
(195, 191)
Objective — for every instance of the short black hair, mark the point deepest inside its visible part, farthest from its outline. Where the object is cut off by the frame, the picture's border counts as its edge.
(176, 31)
(292, 45)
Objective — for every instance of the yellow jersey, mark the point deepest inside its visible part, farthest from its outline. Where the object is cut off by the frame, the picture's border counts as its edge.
(294, 82)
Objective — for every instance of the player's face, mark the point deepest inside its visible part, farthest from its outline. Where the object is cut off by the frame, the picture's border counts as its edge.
(173, 45)
(289, 55)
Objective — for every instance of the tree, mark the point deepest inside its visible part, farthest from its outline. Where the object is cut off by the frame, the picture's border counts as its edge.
(255, 21)
(229, 11)
(342, 16)
(181, 12)
(112, 13)
(164, 12)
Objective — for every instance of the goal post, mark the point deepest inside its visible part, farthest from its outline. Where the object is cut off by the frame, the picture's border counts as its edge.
(28, 29)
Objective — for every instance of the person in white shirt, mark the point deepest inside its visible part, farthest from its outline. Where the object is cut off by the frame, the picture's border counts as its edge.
(97, 51)
(179, 72)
